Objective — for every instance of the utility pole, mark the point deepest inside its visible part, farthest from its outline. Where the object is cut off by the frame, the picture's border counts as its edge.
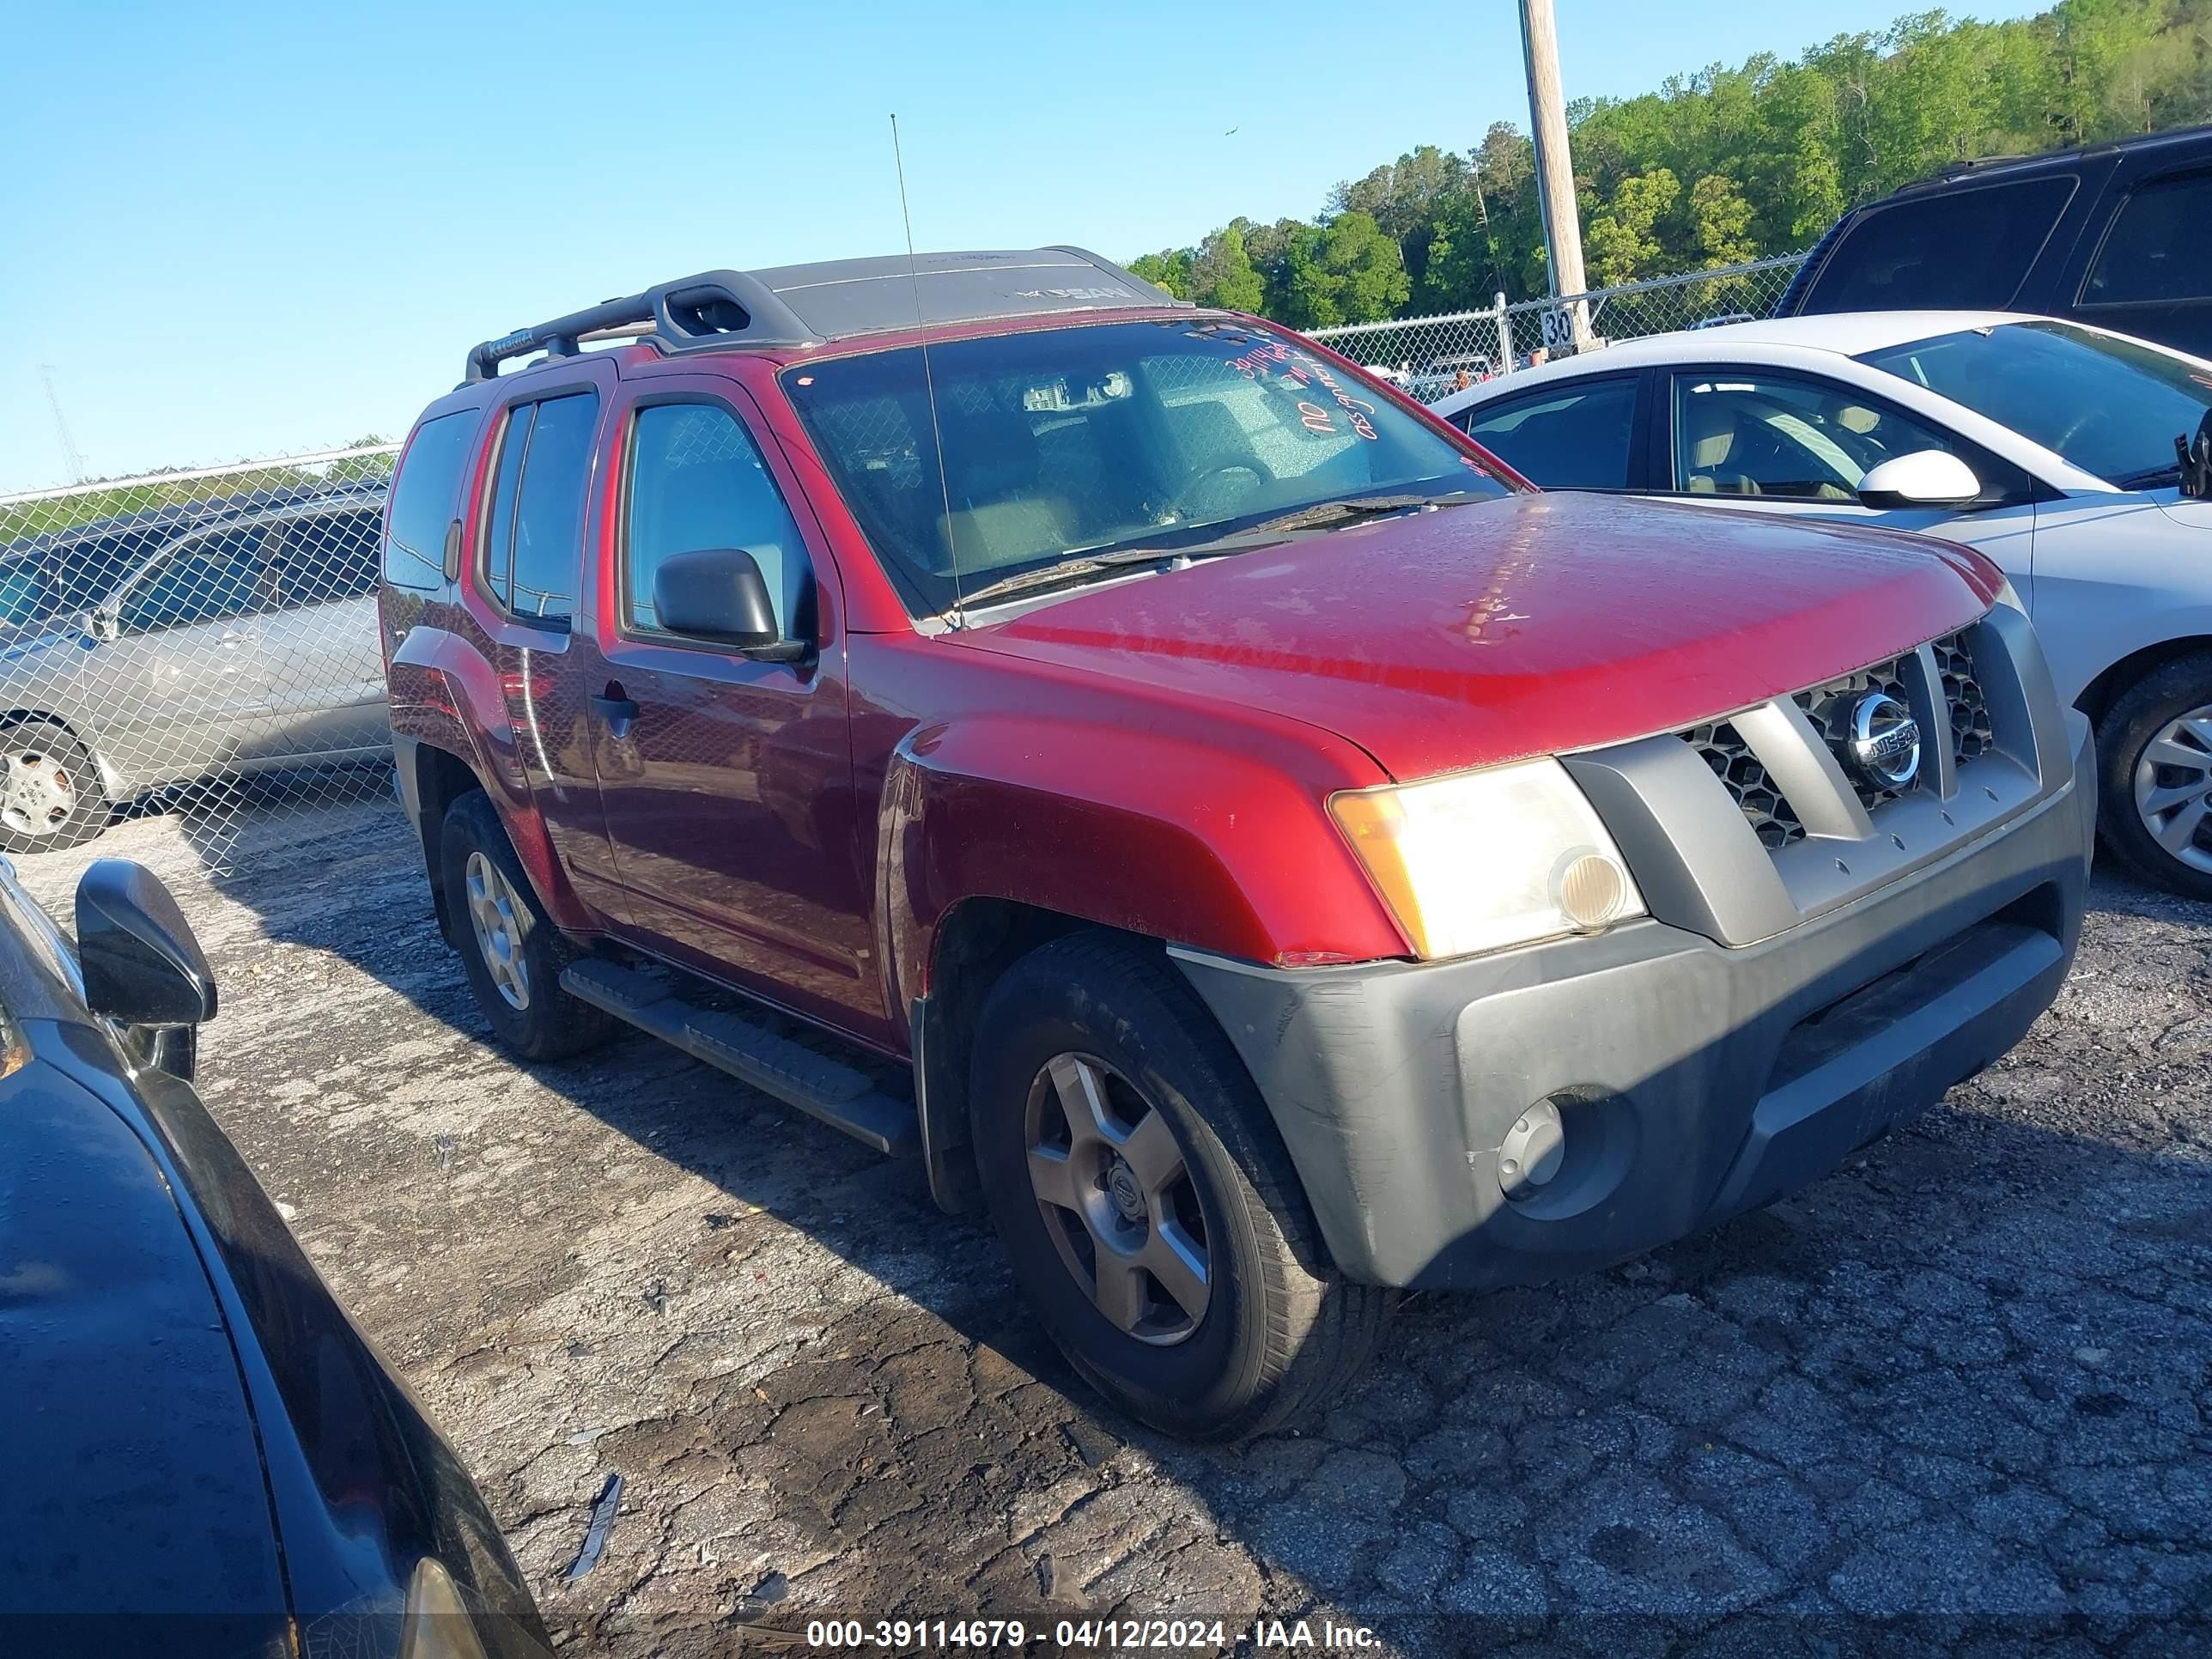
(1555, 167)
(61, 427)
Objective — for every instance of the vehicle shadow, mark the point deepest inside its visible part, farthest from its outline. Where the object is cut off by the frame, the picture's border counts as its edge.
(1960, 1385)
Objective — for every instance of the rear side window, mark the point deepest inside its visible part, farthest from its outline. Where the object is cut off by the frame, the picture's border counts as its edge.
(2159, 247)
(423, 501)
(698, 482)
(1565, 438)
(324, 559)
(1965, 248)
(534, 544)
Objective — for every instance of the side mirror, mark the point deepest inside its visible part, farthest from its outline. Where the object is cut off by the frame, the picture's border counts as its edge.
(142, 965)
(1926, 477)
(719, 595)
(101, 624)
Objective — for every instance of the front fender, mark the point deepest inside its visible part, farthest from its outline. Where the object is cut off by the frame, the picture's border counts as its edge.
(1139, 829)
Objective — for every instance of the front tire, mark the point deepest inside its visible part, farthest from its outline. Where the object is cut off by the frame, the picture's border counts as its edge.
(1151, 1212)
(2155, 751)
(512, 953)
(50, 793)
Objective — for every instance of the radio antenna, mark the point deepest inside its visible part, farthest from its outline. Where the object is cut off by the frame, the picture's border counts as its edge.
(928, 383)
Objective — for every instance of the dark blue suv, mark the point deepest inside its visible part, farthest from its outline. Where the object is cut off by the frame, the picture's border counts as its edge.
(2115, 234)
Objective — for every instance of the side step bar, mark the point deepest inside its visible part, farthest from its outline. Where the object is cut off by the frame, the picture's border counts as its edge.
(819, 1086)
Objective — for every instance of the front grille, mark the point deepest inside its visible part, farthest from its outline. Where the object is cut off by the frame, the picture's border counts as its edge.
(1972, 735)
(1722, 748)
(1829, 708)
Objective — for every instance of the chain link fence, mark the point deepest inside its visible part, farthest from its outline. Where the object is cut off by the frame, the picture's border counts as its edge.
(204, 643)
(1432, 357)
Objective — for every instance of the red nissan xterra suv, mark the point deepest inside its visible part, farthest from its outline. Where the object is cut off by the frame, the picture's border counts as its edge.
(1293, 859)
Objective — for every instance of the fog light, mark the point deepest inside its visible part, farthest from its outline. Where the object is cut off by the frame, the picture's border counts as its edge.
(1532, 1151)
(1592, 891)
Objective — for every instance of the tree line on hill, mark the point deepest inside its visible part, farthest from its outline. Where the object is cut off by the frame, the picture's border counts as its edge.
(1717, 169)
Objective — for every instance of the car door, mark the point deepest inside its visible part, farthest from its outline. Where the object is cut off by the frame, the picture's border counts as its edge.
(179, 692)
(1796, 446)
(727, 781)
(2152, 273)
(318, 648)
(537, 508)
(1579, 434)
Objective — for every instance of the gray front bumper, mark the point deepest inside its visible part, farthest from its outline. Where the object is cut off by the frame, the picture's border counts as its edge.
(1695, 1079)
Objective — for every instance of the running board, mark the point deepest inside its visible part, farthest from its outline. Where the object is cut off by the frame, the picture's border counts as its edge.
(819, 1086)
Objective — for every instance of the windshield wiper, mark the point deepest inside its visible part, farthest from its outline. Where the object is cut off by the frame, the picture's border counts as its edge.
(1266, 534)
(1366, 507)
(1091, 564)
(2151, 478)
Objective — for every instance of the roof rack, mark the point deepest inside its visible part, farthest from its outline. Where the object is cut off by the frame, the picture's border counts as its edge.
(2059, 157)
(715, 307)
(835, 300)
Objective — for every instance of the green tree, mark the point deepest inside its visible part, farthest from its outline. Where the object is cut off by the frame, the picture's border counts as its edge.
(1168, 269)
(1622, 243)
(1223, 274)
(1720, 222)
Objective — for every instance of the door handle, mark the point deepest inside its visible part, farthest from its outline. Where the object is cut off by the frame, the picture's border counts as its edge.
(619, 712)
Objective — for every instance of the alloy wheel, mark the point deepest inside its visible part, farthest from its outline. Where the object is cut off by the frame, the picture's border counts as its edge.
(2173, 787)
(37, 794)
(1117, 1198)
(495, 914)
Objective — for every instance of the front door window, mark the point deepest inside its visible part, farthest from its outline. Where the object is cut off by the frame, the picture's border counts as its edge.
(1743, 435)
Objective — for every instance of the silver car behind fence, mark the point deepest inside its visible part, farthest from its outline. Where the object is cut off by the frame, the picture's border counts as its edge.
(203, 642)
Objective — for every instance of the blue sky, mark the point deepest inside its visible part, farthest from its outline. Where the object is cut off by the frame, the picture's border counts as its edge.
(238, 229)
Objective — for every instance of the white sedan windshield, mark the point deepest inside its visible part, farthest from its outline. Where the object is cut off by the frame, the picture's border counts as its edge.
(2112, 407)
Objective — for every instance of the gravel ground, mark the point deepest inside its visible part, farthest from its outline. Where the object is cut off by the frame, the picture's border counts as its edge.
(1955, 1396)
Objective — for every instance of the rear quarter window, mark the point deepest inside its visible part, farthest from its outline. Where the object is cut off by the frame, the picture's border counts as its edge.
(422, 501)
(2160, 246)
(1946, 249)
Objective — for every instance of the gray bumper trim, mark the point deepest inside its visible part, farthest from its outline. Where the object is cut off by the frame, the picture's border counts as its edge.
(1694, 1079)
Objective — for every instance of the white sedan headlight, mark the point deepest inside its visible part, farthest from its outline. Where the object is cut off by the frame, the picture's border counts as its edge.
(1485, 860)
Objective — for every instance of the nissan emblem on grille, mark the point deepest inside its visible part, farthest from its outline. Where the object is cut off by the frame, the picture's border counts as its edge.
(1884, 744)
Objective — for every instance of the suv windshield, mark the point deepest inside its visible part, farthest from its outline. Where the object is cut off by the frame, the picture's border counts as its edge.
(2112, 407)
(1102, 437)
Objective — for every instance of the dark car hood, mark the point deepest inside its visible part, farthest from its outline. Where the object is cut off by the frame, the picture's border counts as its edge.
(134, 1471)
(1533, 625)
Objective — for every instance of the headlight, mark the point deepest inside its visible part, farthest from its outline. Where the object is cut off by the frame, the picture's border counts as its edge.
(1489, 859)
(436, 1624)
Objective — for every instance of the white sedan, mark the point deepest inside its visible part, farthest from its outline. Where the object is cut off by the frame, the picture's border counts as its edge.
(2048, 445)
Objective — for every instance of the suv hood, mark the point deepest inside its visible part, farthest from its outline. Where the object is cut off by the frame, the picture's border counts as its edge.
(1533, 625)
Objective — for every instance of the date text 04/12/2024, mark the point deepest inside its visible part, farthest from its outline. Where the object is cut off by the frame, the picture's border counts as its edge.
(1204, 1636)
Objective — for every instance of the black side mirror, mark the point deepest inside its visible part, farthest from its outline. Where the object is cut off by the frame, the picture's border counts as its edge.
(142, 965)
(2195, 454)
(718, 594)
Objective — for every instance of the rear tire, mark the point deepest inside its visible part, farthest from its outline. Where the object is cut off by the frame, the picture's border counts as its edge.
(1167, 1161)
(512, 953)
(2154, 765)
(50, 793)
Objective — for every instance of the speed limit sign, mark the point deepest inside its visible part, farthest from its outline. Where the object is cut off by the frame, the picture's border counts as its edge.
(1558, 330)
